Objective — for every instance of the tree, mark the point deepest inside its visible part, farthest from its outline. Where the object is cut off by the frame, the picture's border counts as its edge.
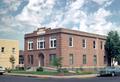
(12, 61)
(58, 63)
(112, 47)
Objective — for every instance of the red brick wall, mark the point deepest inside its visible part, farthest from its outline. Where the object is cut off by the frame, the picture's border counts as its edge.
(47, 51)
(64, 50)
(77, 50)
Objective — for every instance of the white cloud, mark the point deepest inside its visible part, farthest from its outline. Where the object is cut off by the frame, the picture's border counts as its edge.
(100, 2)
(39, 13)
(36, 11)
(74, 12)
(96, 22)
(77, 4)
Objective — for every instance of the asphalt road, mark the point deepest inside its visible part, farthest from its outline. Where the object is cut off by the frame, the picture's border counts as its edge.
(6, 78)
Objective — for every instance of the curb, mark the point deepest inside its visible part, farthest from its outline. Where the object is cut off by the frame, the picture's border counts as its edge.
(55, 77)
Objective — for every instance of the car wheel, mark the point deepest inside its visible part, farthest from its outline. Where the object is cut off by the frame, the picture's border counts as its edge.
(1, 73)
(113, 74)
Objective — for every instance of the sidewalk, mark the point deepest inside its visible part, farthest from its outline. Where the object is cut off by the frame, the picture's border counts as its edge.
(51, 76)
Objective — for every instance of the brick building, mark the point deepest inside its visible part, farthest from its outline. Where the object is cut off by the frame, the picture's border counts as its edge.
(78, 49)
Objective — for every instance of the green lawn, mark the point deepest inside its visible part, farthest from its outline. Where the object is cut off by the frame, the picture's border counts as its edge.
(50, 73)
(36, 73)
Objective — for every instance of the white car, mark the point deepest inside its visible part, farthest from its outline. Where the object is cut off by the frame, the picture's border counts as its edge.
(2, 70)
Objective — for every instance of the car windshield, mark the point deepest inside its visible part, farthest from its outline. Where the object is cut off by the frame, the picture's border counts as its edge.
(110, 67)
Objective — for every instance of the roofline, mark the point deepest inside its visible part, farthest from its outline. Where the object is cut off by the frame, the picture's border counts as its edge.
(64, 30)
(8, 39)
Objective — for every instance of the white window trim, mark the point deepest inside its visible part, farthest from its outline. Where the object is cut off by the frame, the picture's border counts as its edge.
(43, 40)
(50, 39)
(29, 42)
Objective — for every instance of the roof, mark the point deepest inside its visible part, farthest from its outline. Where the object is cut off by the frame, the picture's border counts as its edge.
(46, 31)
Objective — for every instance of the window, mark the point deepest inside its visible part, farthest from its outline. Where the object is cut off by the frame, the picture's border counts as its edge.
(2, 49)
(30, 45)
(105, 60)
(95, 59)
(13, 50)
(94, 44)
(84, 43)
(30, 59)
(21, 59)
(52, 58)
(84, 59)
(41, 43)
(101, 44)
(53, 42)
(71, 60)
(71, 41)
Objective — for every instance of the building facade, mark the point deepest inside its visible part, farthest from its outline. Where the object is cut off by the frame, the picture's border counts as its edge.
(77, 49)
(7, 49)
(21, 58)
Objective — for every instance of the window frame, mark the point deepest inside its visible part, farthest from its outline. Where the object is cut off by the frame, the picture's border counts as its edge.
(39, 41)
(71, 59)
(94, 44)
(101, 45)
(30, 44)
(31, 59)
(84, 43)
(2, 49)
(70, 41)
(52, 58)
(95, 59)
(13, 50)
(84, 59)
(52, 42)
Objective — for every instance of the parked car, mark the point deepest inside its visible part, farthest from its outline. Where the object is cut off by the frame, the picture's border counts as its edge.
(2, 70)
(113, 71)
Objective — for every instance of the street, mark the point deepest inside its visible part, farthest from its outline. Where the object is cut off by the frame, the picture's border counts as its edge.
(7, 78)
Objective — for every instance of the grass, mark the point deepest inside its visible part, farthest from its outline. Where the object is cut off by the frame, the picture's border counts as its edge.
(85, 72)
(36, 72)
(51, 72)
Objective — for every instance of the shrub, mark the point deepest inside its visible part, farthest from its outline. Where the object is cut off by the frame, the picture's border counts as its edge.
(84, 72)
(28, 68)
(87, 72)
(8, 70)
(20, 68)
(78, 71)
(40, 69)
(59, 70)
(65, 71)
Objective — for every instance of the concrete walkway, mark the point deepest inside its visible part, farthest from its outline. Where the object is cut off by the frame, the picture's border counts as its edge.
(51, 76)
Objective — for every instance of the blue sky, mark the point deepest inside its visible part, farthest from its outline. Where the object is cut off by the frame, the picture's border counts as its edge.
(18, 17)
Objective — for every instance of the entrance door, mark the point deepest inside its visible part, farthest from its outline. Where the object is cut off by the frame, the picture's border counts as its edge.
(41, 59)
